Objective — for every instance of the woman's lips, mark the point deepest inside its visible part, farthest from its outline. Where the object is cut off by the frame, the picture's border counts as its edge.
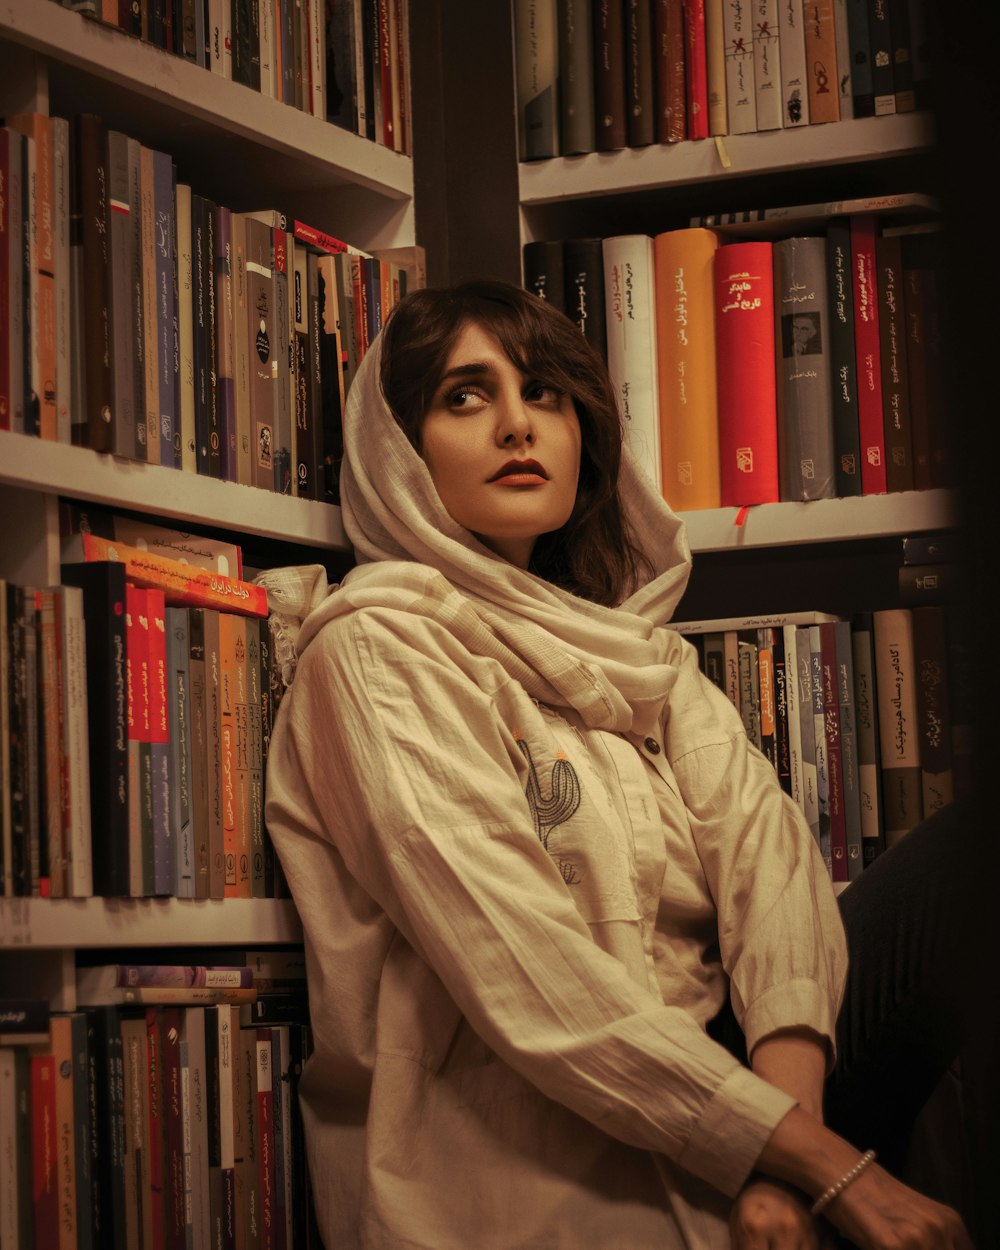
(520, 468)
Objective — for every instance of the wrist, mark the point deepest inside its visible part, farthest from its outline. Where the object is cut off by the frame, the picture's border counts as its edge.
(807, 1155)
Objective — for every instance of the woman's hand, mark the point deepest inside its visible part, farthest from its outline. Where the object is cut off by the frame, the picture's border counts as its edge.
(877, 1212)
(769, 1215)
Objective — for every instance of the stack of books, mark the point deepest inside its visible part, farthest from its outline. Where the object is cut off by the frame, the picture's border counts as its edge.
(603, 76)
(784, 354)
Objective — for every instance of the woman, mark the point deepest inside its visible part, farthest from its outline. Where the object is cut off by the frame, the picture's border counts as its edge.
(532, 851)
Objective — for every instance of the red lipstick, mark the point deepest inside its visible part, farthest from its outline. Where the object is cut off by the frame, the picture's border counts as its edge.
(516, 468)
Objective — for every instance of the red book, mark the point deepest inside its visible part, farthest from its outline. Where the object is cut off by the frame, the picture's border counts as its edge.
(137, 685)
(44, 1191)
(834, 753)
(696, 66)
(745, 365)
(868, 352)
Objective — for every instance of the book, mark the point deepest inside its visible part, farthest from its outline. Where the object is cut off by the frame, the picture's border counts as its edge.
(137, 339)
(745, 355)
(933, 699)
(583, 290)
(833, 728)
(842, 43)
(843, 360)
(639, 105)
(222, 276)
(151, 995)
(821, 58)
(282, 390)
(262, 339)
(767, 65)
(715, 67)
(630, 314)
(696, 69)
(44, 1149)
(182, 584)
(180, 763)
(685, 333)
(671, 95)
(332, 373)
(749, 676)
(536, 50)
(15, 1147)
(895, 384)
(741, 94)
(820, 743)
(543, 271)
(150, 311)
(91, 193)
(24, 1021)
(120, 247)
(575, 58)
(185, 330)
(267, 1164)
(137, 627)
(54, 793)
(931, 417)
(859, 44)
(767, 695)
(794, 73)
(609, 77)
(866, 720)
(849, 749)
(213, 554)
(255, 766)
(217, 868)
(219, 1029)
(906, 204)
(164, 847)
(792, 714)
(880, 43)
(196, 1115)
(804, 389)
(899, 740)
(198, 686)
(868, 354)
(13, 160)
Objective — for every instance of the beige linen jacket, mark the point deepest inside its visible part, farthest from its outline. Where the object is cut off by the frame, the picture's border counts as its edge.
(532, 851)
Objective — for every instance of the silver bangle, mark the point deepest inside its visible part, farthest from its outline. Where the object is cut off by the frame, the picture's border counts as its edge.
(838, 1187)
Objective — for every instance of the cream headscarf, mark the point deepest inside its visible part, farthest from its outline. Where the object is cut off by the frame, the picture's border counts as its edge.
(610, 664)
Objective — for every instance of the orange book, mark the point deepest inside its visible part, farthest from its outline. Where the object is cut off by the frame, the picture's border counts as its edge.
(821, 61)
(744, 327)
(38, 128)
(685, 333)
(181, 583)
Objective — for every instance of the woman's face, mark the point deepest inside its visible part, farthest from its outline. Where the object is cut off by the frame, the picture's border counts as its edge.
(502, 448)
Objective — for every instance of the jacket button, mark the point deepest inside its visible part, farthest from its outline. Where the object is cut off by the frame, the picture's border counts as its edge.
(652, 746)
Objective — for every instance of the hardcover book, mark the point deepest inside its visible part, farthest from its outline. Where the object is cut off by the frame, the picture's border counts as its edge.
(576, 76)
(893, 362)
(536, 50)
(639, 72)
(899, 739)
(609, 77)
(843, 360)
(868, 354)
(671, 96)
(583, 287)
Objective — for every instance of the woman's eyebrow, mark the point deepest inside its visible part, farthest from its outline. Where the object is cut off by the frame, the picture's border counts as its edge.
(474, 368)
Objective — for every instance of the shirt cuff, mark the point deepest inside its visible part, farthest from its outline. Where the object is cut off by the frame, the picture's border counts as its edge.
(801, 1004)
(733, 1130)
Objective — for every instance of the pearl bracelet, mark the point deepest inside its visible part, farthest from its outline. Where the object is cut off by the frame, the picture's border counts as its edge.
(838, 1187)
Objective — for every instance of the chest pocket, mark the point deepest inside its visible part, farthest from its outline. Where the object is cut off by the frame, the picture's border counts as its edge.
(582, 821)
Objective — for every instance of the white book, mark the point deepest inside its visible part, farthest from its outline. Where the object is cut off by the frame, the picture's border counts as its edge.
(80, 873)
(195, 1114)
(773, 620)
(217, 44)
(63, 284)
(740, 89)
(794, 84)
(819, 743)
(767, 64)
(185, 325)
(630, 316)
(843, 43)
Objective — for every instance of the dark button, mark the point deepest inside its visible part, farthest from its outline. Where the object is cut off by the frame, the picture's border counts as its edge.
(652, 746)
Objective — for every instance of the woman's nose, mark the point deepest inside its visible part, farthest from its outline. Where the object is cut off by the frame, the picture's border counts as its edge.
(514, 423)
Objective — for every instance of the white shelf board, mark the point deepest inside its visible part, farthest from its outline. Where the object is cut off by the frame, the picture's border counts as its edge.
(55, 468)
(58, 923)
(681, 164)
(197, 96)
(822, 520)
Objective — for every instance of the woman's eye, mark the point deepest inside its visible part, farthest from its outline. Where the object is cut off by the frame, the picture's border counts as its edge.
(464, 398)
(542, 393)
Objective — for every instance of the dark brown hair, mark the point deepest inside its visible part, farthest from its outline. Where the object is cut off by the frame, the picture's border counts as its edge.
(594, 555)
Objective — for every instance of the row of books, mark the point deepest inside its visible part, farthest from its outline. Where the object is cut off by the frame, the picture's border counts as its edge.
(752, 369)
(347, 62)
(868, 722)
(171, 1124)
(136, 711)
(629, 73)
(141, 318)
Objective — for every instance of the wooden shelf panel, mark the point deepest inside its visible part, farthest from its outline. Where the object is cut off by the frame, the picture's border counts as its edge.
(821, 521)
(80, 473)
(683, 164)
(196, 104)
(52, 924)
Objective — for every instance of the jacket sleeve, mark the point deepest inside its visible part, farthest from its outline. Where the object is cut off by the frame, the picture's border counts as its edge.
(411, 774)
(780, 932)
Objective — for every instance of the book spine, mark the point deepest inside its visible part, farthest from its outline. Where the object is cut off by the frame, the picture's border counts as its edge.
(792, 714)
(64, 398)
(227, 764)
(164, 847)
(630, 313)
(583, 290)
(536, 52)
(934, 718)
(859, 45)
(304, 467)
(137, 255)
(866, 717)
(741, 93)
(932, 420)
(902, 56)
(639, 72)
(224, 334)
(179, 736)
(834, 755)
(12, 292)
(6, 258)
(810, 784)
(194, 1078)
(332, 399)
(849, 748)
(821, 58)
(44, 1171)
(30, 303)
(820, 745)
(150, 310)
(767, 65)
(749, 690)
(267, 1172)
(609, 76)
(186, 290)
(892, 363)
(671, 92)
(575, 34)
(794, 72)
(49, 694)
(242, 346)
(686, 350)
(804, 391)
(282, 428)
(766, 696)
(880, 39)
(899, 742)
(544, 273)
(696, 69)
(868, 354)
(260, 313)
(121, 292)
(199, 751)
(715, 66)
(745, 354)
(843, 360)
(80, 872)
(218, 867)
(199, 321)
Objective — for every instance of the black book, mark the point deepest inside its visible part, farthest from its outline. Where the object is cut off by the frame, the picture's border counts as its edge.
(639, 73)
(861, 59)
(90, 191)
(331, 417)
(902, 56)
(369, 43)
(341, 67)
(843, 362)
(106, 1081)
(211, 344)
(241, 37)
(16, 763)
(103, 585)
(544, 272)
(880, 40)
(583, 287)
(315, 376)
(199, 326)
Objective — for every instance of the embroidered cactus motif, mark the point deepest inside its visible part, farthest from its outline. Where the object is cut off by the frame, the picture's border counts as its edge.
(556, 807)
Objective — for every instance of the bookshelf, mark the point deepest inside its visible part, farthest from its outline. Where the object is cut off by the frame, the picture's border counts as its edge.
(249, 152)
